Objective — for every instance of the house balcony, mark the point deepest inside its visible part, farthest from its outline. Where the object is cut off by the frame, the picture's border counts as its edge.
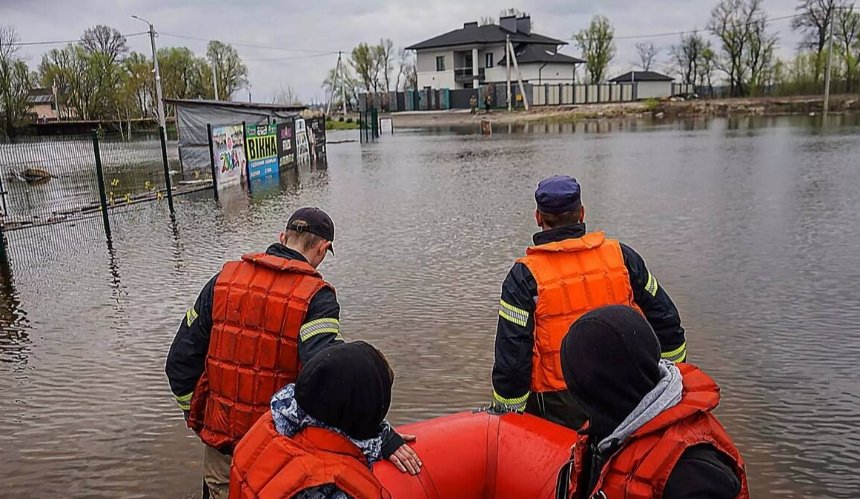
(465, 74)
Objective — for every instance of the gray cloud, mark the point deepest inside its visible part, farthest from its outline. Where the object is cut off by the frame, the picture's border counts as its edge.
(341, 24)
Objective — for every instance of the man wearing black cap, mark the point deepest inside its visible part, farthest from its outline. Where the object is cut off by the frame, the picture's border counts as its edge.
(564, 275)
(649, 431)
(252, 327)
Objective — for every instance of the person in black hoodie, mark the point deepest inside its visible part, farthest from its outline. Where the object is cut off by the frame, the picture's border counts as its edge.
(650, 431)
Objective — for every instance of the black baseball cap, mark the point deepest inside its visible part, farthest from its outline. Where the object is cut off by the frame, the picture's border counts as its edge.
(313, 220)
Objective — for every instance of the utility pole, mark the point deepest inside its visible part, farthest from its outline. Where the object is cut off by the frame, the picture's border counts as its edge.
(508, 66)
(158, 97)
(342, 85)
(338, 77)
(829, 68)
(519, 76)
(214, 79)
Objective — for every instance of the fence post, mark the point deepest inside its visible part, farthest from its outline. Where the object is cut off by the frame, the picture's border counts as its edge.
(245, 150)
(101, 179)
(168, 185)
(212, 161)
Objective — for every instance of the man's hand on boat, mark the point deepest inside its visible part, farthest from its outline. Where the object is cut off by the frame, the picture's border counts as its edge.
(405, 458)
(395, 448)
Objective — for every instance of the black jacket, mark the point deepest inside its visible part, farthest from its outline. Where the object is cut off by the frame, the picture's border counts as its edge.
(702, 472)
(187, 356)
(512, 370)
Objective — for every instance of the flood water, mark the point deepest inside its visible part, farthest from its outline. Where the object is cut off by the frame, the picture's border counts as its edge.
(751, 225)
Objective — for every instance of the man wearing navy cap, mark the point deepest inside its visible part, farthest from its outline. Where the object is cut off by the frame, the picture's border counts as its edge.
(253, 325)
(567, 273)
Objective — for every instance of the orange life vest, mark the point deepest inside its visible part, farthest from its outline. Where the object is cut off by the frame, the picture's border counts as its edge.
(259, 306)
(641, 468)
(267, 464)
(574, 276)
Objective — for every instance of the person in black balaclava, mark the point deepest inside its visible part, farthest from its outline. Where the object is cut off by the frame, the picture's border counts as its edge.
(348, 388)
(611, 364)
(324, 432)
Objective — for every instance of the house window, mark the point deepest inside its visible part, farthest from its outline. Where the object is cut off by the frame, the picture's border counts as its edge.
(488, 60)
(440, 63)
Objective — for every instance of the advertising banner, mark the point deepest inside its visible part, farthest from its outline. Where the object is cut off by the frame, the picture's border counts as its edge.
(229, 154)
(286, 144)
(316, 137)
(303, 152)
(261, 147)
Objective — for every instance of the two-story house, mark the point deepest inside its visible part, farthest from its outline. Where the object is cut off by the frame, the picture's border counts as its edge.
(475, 55)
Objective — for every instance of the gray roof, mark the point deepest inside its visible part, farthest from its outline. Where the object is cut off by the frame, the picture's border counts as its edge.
(472, 34)
(239, 105)
(641, 76)
(40, 96)
(538, 53)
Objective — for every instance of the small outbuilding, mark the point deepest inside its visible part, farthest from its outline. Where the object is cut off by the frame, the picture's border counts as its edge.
(649, 84)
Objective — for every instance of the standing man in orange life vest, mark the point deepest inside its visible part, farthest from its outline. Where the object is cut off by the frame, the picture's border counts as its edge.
(565, 274)
(252, 328)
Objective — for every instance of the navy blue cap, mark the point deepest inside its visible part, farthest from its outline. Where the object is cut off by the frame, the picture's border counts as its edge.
(558, 194)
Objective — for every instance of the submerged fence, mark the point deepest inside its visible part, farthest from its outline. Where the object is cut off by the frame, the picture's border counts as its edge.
(495, 95)
(83, 181)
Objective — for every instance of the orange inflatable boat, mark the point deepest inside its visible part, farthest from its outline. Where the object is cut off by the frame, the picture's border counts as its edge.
(481, 455)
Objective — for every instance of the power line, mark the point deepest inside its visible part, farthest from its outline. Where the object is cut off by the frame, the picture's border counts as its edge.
(310, 56)
(63, 42)
(696, 31)
(249, 45)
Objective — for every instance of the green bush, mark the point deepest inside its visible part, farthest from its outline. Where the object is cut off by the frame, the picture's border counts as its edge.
(651, 104)
(348, 120)
(340, 118)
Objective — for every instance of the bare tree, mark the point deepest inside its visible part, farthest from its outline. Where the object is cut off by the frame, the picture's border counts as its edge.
(746, 48)
(687, 55)
(706, 67)
(106, 40)
(847, 32)
(647, 55)
(405, 64)
(759, 57)
(512, 11)
(384, 58)
(813, 21)
(286, 95)
(597, 43)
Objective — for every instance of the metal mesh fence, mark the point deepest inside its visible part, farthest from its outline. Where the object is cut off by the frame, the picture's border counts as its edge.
(47, 181)
(51, 186)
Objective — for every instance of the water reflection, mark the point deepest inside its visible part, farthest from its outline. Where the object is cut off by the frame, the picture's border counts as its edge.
(751, 226)
(15, 340)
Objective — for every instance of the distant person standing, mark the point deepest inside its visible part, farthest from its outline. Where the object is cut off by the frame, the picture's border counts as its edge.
(473, 104)
(252, 327)
(488, 102)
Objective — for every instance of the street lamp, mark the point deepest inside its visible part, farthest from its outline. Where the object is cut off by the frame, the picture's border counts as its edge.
(158, 97)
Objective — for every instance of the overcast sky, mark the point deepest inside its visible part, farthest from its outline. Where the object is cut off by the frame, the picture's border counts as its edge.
(332, 25)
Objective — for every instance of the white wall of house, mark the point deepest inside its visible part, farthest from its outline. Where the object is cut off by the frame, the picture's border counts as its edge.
(427, 74)
(429, 77)
(653, 89)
